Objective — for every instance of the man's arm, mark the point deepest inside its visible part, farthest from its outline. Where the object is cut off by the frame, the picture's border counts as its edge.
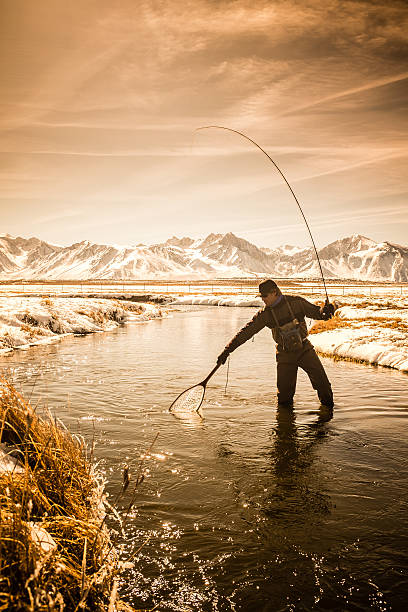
(250, 329)
(312, 311)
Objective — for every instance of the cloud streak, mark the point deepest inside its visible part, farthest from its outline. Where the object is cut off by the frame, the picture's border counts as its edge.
(348, 92)
(100, 100)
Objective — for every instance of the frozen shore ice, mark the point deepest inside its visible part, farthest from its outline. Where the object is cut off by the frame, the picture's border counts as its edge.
(32, 321)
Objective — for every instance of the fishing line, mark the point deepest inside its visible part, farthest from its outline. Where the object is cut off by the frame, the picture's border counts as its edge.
(226, 380)
(221, 127)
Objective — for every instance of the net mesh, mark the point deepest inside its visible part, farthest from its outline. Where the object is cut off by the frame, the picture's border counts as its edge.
(189, 401)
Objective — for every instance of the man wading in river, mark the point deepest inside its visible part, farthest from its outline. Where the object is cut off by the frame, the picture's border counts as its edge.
(285, 316)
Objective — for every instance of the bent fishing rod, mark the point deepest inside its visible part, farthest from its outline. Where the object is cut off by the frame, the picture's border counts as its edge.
(221, 127)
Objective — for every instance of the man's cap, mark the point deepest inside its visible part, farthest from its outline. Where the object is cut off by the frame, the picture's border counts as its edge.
(267, 286)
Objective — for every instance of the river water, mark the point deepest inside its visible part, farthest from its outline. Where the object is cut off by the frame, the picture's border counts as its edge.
(250, 507)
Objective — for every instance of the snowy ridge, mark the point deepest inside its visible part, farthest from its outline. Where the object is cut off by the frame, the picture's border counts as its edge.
(217, 255)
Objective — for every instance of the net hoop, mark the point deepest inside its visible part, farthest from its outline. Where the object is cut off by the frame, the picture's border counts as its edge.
(189, 400)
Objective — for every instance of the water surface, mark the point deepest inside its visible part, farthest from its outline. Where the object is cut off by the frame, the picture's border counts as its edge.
(249, 508)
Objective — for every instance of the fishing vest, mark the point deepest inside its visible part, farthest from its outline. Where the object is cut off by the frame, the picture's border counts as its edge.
(289, 335)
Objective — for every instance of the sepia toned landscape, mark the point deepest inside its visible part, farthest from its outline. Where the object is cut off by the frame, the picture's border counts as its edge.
(203, 306)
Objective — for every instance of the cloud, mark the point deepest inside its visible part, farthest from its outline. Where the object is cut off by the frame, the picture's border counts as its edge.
(58, 215)
(100, 99)
(349, 92)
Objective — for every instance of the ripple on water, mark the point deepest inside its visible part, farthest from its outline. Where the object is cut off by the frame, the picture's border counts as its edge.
(248, 507)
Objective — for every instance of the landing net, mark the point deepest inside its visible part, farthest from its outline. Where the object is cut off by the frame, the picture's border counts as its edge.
(189, 401)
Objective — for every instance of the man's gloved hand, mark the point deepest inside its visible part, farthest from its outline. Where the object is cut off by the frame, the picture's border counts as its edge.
(222, 357)
(328, 311)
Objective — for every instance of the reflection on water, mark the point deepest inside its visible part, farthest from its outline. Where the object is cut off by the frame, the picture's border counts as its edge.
(253, 506)
(189, 418)
(291, 456)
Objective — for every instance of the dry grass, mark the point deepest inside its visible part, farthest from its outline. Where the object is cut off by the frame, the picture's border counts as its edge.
(131, 307)
(32, 331)
(7, 340)
(335, 357)
(337, 323)
(333, 323)
(29, 320)
(100, 317)
(47, 301)
(376, 304)
(397, 323)
(97, 317)
(58, 491)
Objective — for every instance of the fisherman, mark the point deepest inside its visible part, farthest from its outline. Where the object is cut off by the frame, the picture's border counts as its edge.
(285, 316)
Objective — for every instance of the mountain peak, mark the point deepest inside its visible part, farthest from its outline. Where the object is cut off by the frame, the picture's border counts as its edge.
(179, 242)
(355, 242)
(217, 255)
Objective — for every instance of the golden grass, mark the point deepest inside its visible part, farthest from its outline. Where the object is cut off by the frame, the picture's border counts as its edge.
(7, 340)
(59, 492)
(397, 323)
(47, 301)
(32, 331)
(337, 323)
(377, 304)
(336, 357)
(132, 307)
(333, 323)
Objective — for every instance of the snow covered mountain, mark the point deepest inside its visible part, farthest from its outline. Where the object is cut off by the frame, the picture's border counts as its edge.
(217, 255)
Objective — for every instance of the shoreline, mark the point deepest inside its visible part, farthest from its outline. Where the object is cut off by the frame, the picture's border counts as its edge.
(33, 321)
(372, 330)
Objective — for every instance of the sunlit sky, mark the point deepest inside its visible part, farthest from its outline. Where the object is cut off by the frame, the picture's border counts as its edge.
(99, 101)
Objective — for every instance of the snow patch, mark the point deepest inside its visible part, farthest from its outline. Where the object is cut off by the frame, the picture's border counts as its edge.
(205, 300)
(29, 321)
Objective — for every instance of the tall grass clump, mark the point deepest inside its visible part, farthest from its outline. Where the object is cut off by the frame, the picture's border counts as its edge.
(55, 549)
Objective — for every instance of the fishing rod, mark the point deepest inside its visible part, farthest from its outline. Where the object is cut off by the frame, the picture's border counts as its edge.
(221, 127)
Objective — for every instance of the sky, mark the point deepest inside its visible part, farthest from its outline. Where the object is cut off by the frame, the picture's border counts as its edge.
(100, 101)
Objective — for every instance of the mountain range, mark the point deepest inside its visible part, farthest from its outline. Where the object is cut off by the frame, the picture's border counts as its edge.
(216, 256)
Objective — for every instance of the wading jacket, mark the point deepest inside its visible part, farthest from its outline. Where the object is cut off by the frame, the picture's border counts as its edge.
(301, 308)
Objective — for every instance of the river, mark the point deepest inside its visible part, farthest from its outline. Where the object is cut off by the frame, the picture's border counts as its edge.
(248, 508)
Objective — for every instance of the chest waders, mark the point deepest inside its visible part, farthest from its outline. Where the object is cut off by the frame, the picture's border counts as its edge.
(292, 357)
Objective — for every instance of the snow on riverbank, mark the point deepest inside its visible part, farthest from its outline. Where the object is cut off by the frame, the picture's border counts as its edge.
(377, 346)
(375, 302)
(30, 321)
(206, 300)
(369, 329)
(375, 333)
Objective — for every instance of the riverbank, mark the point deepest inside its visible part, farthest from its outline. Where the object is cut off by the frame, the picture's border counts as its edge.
(55, 549)
(30, 321)
(371, 330)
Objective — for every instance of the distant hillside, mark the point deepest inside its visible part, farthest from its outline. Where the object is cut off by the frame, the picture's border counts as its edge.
(217, 255)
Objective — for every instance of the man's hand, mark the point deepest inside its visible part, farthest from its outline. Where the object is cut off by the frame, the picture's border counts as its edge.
(222, 357)
(328, 311)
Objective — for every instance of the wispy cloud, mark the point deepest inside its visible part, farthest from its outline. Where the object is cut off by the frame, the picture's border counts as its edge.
(348, 92)
(100, 100)
(400, 154)
(58, 215)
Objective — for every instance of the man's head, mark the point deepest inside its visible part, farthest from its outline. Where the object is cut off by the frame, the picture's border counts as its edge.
(269, 292)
